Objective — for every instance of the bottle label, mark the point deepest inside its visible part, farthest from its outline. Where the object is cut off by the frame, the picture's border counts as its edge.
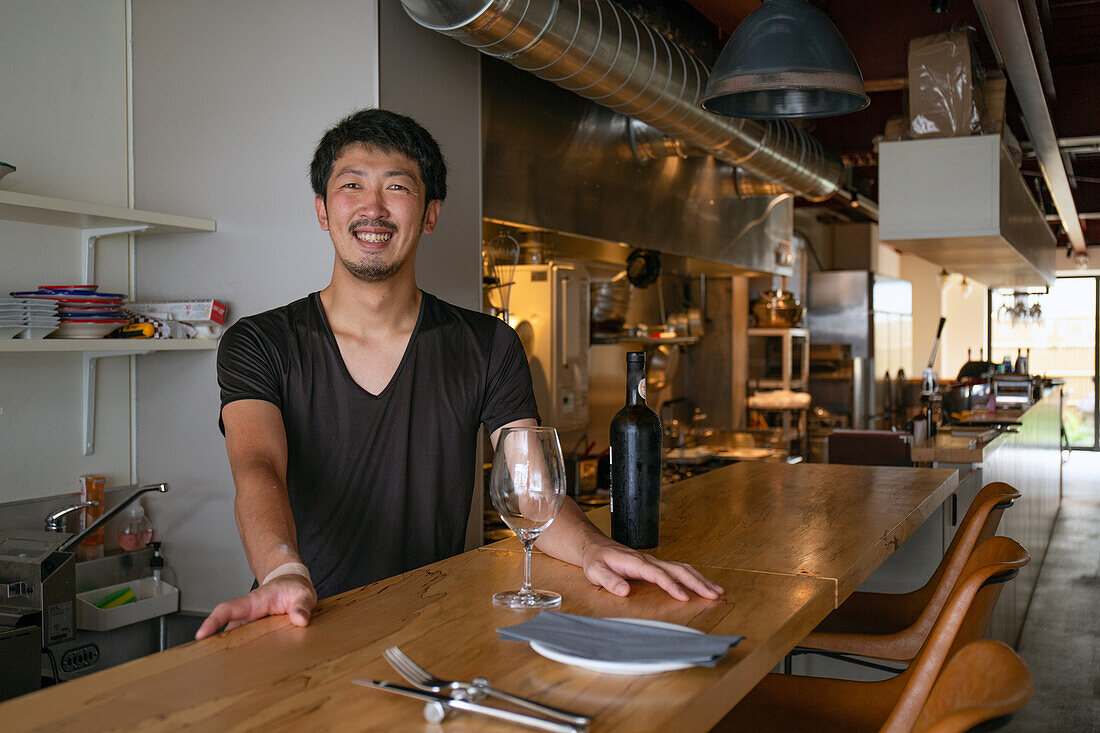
(641, 389)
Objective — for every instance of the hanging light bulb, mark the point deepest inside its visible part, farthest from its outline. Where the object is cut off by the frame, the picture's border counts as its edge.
(945, 279)
(966, 287)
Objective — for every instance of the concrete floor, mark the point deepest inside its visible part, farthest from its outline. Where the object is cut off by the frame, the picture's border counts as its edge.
(1061, 636)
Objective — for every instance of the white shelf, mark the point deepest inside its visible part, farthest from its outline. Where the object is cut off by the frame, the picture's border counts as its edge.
(120, 346)
(94, 221)
(91, 351)
(795, 332)
(33, 209)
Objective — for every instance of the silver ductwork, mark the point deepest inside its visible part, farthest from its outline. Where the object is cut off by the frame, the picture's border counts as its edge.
(599, 51)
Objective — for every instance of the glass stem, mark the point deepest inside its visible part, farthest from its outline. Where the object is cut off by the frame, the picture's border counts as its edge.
(526, 589)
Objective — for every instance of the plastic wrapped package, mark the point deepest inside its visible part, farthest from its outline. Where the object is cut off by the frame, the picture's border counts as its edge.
(945, 86)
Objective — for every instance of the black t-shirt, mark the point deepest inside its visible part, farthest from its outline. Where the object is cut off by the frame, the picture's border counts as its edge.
(379, 484)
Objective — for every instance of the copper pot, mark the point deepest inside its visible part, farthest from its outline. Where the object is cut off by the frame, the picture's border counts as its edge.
(777, 309)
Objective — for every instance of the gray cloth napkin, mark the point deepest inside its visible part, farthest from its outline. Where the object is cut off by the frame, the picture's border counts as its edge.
(606, 640)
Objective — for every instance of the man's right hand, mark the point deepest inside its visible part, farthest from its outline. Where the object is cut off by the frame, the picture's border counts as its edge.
(290, 594)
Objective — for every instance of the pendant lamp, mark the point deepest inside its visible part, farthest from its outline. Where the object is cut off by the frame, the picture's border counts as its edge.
(786, 59)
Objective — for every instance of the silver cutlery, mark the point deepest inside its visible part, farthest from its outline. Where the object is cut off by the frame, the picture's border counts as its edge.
(478, 688)
(437, 706)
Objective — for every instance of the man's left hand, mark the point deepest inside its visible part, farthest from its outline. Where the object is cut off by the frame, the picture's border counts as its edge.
(611, 565)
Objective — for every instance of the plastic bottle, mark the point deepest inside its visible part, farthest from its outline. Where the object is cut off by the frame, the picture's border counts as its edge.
(635, 463)
(136, 531)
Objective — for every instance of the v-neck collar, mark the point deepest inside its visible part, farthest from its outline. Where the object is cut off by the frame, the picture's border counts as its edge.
(331, 336)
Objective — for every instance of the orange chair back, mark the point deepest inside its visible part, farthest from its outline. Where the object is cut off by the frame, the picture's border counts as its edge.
(979, 524)
(964, 619)
(986, 680)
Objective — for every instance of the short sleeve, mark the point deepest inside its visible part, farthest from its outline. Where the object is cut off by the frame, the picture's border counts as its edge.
(247, 367)
(509, 395)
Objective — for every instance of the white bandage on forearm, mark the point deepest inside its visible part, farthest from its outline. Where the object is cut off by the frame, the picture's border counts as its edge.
(288, 568)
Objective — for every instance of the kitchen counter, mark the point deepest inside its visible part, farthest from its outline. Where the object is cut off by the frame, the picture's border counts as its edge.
(787, 542)
(944, 447)
(1027, 457)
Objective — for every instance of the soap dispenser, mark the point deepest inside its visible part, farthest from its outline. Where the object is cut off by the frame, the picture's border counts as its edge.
(164, 580)
(136, 531)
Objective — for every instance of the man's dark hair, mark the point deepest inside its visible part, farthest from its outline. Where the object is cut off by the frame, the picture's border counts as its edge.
(386, 131)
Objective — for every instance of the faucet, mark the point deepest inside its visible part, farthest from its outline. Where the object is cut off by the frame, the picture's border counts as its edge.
(56, 521)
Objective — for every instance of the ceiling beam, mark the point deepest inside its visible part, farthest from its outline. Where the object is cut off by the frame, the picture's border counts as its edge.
(1008, 34)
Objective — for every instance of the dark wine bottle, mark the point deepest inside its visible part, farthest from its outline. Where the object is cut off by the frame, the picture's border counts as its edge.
(635, 464)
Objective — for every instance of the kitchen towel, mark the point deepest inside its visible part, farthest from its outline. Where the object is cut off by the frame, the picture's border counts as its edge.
(610, 640)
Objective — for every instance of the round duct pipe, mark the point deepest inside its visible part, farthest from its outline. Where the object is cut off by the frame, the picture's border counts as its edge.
(599, 51)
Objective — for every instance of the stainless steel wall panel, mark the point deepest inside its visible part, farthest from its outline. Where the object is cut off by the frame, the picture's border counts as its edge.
(556, 161)
(601, 52)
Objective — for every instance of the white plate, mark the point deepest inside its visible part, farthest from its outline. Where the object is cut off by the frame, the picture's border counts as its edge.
(631, 668)
(87, 330)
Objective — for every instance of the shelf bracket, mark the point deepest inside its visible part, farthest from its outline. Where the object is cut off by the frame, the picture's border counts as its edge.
(88, 239)
(88, 361)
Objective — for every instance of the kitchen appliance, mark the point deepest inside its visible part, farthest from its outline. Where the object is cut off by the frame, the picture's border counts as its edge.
(872, 316)
(777, 309)
(37, 586)
(610, 301)
(549, 309)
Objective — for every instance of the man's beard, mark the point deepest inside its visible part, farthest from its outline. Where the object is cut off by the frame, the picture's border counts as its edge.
(372, 269)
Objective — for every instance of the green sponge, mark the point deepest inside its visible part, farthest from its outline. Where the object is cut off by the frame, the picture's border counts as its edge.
(119, 598)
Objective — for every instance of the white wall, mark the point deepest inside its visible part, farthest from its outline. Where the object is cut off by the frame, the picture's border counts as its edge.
(63, 101)
(229, 102)
(927, 309)
(966, 326)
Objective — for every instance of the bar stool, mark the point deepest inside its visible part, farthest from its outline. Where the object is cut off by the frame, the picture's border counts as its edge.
(783, 702)
(894, 625)
(985, 681)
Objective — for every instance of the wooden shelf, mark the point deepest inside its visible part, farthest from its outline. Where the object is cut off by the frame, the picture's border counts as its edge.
(120, 346)
(33, 209)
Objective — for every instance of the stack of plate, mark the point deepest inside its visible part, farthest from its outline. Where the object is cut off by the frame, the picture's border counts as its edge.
(27, 318)
(84, 312)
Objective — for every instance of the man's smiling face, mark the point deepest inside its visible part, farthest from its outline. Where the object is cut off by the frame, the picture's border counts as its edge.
(375, 212)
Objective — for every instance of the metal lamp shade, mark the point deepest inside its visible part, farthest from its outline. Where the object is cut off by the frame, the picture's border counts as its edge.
(787, 59)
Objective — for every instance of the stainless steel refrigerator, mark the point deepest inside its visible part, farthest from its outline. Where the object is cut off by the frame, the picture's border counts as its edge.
(873, 316)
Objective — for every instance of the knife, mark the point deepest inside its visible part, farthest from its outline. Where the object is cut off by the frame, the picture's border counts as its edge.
(438, 705)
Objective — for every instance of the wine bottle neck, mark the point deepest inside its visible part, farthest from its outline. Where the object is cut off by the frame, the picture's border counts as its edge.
(635, 384)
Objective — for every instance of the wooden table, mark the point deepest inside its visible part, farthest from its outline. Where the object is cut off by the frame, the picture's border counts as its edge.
(272, 676)
(833, 522)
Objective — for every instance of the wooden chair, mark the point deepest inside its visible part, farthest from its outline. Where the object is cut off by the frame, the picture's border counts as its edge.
(985, 681)
(784, 702)
(894, 625)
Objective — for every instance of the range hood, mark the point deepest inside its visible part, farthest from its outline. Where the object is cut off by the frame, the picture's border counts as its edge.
(961, 203)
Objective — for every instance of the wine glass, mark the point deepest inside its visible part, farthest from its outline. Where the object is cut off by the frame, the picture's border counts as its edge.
(528, 487)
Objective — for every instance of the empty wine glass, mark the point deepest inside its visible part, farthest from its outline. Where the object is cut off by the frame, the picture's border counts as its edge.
(527, 485)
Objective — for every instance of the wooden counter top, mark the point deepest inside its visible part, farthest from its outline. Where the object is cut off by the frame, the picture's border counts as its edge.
(271, 676)
(784, 541)
(824, 521)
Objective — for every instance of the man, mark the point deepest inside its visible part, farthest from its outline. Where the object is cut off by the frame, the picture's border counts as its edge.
(351, 415)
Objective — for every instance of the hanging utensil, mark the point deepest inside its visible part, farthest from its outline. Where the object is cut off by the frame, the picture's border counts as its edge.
(500, 255)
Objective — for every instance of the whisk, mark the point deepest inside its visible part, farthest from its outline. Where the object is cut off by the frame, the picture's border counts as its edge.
(500, 257)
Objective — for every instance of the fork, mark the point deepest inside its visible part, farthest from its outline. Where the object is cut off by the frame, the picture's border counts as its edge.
(425, 680)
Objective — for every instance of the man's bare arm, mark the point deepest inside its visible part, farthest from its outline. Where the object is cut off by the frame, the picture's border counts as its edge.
(256, 443)
(574, 539)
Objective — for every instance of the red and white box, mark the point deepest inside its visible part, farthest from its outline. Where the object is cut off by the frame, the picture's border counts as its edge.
(196, 312)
